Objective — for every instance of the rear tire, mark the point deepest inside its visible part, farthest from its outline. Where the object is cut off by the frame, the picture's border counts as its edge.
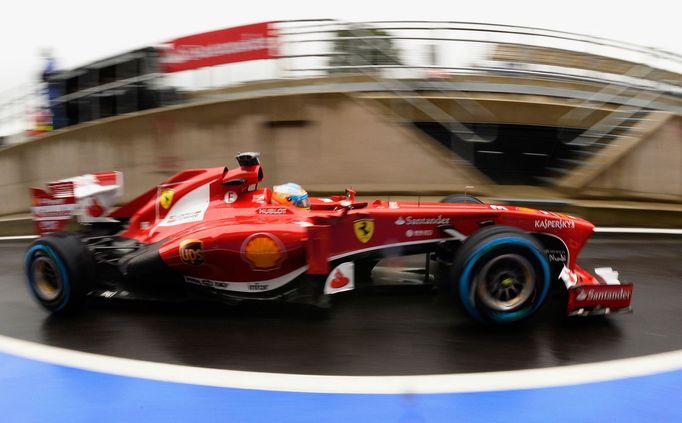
(59, 270)
(501, 275)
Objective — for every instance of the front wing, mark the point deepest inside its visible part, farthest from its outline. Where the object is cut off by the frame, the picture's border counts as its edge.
(590, 295)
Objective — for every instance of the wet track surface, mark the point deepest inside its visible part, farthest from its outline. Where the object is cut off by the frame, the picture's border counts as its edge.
(372, 334)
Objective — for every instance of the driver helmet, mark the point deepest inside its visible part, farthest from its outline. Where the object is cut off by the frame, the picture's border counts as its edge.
(290, 194)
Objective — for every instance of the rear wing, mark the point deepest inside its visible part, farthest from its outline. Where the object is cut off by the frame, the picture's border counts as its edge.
(89, 197)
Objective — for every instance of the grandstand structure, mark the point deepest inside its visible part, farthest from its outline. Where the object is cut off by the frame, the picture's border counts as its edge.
(475, 104)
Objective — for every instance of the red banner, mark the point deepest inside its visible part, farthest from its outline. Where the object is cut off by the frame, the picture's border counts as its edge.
(239, 44)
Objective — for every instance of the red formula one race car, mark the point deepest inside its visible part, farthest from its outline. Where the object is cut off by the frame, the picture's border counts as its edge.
(213, 234)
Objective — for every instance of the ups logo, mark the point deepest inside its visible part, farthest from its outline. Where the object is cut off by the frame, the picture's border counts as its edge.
(192, 252)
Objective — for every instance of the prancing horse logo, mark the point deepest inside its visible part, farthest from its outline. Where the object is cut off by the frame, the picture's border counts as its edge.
(166, 198)
(364, 229)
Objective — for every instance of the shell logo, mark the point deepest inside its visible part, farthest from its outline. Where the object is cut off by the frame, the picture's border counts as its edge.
(263, 251)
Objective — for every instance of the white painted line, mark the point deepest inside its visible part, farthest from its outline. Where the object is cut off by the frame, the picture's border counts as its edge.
(639, 230)
(422, 384)
(17, 237)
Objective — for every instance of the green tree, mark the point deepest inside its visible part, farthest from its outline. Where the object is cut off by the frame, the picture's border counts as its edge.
(363, 46)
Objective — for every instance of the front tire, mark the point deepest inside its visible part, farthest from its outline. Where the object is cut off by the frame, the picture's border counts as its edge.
(501, 275)
(59, 270)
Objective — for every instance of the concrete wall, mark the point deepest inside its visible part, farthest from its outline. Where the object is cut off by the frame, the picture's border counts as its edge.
(498, 108)
(326, 142)
(323, 141)
(651, 169)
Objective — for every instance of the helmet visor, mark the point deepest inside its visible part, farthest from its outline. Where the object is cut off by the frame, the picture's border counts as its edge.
(300, 201)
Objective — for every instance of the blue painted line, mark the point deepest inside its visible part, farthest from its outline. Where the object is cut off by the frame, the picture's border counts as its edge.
(33, 391)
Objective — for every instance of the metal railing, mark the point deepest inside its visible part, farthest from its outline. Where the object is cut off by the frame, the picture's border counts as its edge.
(423, 51)
(322, 38)
(17, 107)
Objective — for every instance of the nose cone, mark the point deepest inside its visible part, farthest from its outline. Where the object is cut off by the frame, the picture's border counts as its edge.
(581, 224)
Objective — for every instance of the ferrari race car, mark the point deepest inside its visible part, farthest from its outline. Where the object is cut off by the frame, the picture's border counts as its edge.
(213, 234)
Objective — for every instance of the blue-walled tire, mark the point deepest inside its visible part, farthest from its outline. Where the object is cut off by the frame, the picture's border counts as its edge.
(501, 275)
(59, 270)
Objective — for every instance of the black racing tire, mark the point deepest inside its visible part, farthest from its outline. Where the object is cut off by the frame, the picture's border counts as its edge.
(501, 275)
(461, 199)
(60, 271)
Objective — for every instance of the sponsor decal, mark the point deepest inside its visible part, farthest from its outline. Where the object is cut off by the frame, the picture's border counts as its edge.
(496, 207)
(364, 229)
(229, 45)
(554, 224)
(48, 201)
(582, 296)
(263, 251)
(527, 210)
(273, 210)
(94, 209)
(557, 256)
(166, 198)
(341, 279)
(418, 232)
(46, 226)
(192, 252)
(51, 214)
(409, 220)
(591, 294)
(230, 197)
(207, 283)
(190, 208)
(54, 211)
(261, 286)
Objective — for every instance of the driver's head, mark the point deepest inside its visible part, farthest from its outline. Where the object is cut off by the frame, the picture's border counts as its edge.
(290, 194)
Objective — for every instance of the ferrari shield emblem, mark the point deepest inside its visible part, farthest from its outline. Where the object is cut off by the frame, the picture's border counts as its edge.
(166, 198)
(364, 229)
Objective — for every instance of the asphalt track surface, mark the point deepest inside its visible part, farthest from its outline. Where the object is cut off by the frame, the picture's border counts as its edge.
(401, 333)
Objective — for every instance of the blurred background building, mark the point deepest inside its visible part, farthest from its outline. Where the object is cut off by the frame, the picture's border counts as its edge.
(332, 103)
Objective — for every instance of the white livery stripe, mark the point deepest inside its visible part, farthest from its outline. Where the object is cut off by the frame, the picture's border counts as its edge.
(255, 286)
